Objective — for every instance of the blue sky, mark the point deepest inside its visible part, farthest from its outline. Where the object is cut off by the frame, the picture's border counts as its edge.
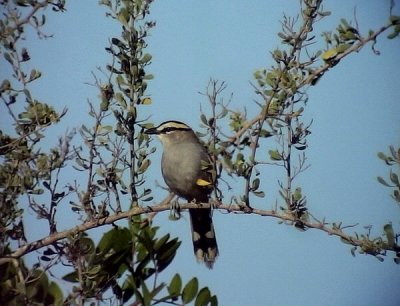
(355, 109)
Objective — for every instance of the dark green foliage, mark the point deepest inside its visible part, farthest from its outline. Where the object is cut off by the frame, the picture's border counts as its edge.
(123, 261)
(21, 286)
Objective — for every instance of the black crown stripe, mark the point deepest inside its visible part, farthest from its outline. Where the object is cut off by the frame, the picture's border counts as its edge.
(174, 128)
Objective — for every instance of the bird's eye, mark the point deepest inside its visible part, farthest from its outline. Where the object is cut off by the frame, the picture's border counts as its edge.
(168, 130)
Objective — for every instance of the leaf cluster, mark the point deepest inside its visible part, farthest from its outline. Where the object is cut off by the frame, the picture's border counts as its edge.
(126, 261)
(22, 286)
(26, 168)
(190, 292)
(392, 160)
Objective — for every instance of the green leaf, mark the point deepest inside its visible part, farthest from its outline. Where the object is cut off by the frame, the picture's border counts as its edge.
(86, 245)
(36, 191)
(106, 128)
(393, 152)
(203, 119)
(28, 95)
(203, 298)
(260, 194)
(104, 105)
(143, 167)
(120, 80)
(394, 19)
(353, 251)
(396, 195)
(146, 294)
(298, 112)
(35, 74)
(123, 17)
(146, 58)
(157, 290)
(394, 178)
(93, 272)
(106, 241)
(118, 43)
(324, 14)
(166, 253)
(297, 194)
(112, 69)
(239, 157)
(56, 293)
(330, 54)
(388, 228)
(281, 35)
(105, 2)
(146, 101)
(161, 242)
(255, 184)
(99, 171)
(265, 133)
(36, 285)
(383, 182)
(342, 48)
(117, 238)
(190, 290)
(8, 58)
(274, 155)
(301, 147)
(71, 277)
(214, 301)
(120, 99)
(382, 156)
(6, 85)
(175, 285)
(393, 35)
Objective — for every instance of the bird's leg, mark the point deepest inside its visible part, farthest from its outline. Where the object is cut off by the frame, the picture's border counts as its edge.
(214, 204)
(175, 208)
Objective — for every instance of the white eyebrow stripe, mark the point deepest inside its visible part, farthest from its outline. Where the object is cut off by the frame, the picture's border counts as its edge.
(172, 126)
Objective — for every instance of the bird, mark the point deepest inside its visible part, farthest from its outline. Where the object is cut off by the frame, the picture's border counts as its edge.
(185, 168)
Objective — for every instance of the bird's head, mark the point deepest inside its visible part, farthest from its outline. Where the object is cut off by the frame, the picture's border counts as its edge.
(172, 131)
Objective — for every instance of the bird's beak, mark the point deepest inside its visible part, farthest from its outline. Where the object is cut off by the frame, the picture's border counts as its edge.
(151, 131)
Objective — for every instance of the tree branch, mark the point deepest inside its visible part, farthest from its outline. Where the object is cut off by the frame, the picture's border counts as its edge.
(312, 77)
(354, 48)
(289, 219)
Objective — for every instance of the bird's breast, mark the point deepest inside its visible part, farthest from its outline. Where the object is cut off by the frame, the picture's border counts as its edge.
(181, 168)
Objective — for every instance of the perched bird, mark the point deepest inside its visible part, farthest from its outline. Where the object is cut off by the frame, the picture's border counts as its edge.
(184, 166)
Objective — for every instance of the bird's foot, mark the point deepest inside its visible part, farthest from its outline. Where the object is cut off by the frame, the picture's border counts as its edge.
(215, 203)
(175, 210)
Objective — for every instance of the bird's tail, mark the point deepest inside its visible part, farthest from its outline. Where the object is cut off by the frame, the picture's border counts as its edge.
(203, 236)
